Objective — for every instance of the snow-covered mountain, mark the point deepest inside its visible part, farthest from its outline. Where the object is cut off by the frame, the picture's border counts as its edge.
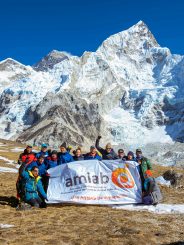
(130, 90)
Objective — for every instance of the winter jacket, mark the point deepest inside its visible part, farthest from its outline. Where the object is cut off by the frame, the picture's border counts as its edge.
(152, 189)
(88, 156)
(64, 158)
(41, 153)
(80, 158)
(33, 186)
(42, 167)
(26, 157)
(145, 164)
(105, 155)
(51, 163)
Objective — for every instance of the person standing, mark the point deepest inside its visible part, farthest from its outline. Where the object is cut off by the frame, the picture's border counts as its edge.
(121, 154)
(144, 165)
(78, 156)
(107, 153)
(27, 156)
(130, 156)
(144, 162)
(43, 152)
(64, 156)
(92, 155)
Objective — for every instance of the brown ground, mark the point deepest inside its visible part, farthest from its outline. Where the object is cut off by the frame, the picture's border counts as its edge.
(72, 224)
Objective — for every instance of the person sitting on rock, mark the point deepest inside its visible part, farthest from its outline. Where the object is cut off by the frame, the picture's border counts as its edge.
(92, 155)
(78, 156)
(121, 154)
(151, 193)
(107, 153)
(64, 156)
(43, 152)
(27, 156)
(130, 156)
(33, 186)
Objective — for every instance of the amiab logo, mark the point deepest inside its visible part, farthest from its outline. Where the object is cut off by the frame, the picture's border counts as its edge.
(123, 178)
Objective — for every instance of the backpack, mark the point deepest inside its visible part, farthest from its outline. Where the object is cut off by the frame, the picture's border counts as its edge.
(155, 195)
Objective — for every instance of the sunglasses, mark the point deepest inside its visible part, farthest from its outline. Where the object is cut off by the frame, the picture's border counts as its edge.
(108, 148)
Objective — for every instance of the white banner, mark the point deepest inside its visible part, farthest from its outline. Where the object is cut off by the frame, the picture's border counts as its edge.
(95, 182)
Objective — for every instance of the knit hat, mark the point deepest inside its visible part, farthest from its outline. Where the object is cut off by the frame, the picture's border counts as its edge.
(29, 146)
(108, 145)
(63, 145)
(44, 145)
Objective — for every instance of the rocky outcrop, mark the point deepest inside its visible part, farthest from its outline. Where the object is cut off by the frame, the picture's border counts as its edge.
(173, 177)
(64, 117)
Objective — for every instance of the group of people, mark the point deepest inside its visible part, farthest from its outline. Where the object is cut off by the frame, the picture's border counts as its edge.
(33, 178)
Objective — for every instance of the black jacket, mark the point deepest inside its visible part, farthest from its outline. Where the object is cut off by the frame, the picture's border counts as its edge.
(105, 155)
(80, 158)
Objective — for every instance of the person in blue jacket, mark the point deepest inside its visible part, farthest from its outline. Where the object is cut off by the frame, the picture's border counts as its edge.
(40, 164)
(34, 192)
(92, 155)
(42, 167)
(51, 161)
(64, 156)
(43, 152)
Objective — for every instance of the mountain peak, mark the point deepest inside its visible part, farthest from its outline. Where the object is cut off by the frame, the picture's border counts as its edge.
(58, 54)
(10, 61)
(11, 64)
(141, 23)
(137, 37)
(50, 60)
(139, 27)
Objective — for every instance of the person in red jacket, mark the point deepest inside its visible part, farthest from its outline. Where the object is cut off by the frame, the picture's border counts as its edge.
(27, 156)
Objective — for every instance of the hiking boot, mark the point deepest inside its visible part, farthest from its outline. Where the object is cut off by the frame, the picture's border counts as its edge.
(23, 206)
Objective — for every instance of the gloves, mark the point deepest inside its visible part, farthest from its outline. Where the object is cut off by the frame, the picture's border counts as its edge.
(99, 137)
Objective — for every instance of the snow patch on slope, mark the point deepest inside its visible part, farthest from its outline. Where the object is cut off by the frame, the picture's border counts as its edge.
(158, 209)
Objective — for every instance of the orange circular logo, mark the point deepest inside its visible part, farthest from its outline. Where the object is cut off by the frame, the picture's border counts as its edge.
(122, 178)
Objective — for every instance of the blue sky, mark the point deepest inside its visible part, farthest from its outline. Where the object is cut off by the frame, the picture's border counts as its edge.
(32, 28)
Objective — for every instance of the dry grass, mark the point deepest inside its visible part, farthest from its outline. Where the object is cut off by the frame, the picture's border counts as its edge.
(72, 224)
